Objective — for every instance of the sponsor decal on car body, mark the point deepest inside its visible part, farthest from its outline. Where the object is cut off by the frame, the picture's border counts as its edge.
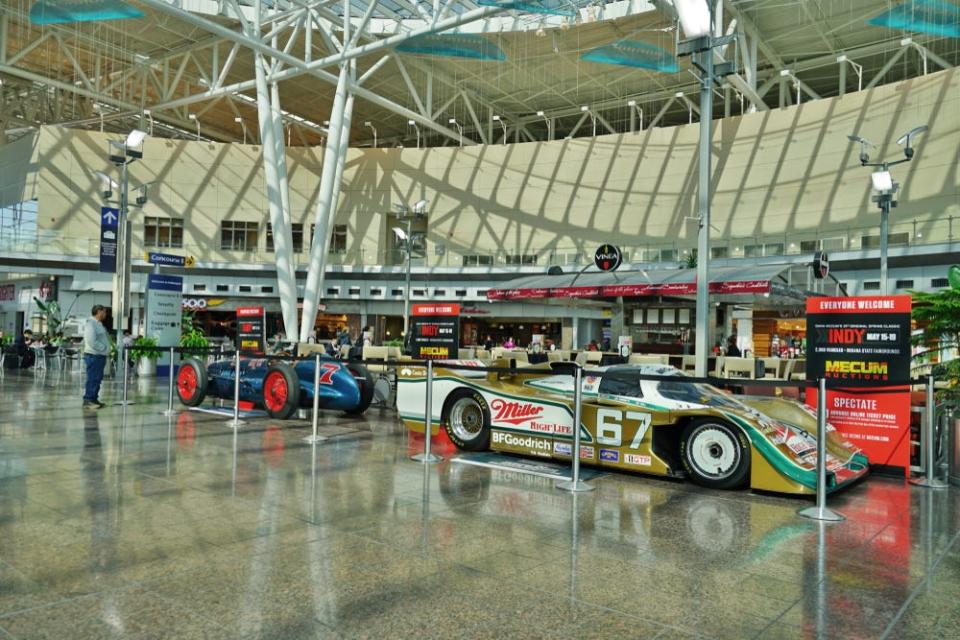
(609, 455)
(633, 458)
(523, 444)
(563, 448)
(586, 453)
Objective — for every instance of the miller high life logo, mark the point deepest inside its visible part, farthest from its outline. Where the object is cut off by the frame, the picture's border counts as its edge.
(514, 412)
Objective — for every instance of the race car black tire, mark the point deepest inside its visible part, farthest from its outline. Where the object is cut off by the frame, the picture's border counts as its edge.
(471, 401)
(192, 382)
(704, 438)
(281, 402)
(366, 383)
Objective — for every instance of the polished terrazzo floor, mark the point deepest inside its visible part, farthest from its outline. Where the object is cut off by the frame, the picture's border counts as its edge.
(125, 523)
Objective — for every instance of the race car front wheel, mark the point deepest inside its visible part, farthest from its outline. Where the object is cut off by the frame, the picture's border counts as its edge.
(281, 391)
(715, 454)
(466, 419)
(192, 382)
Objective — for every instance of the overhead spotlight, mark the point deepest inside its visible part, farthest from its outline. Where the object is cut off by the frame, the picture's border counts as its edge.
(882, 181)
(694, 17)
(631, 103)
(540, 113)
(864, 145)
(564, 23)
(540, 33)
(584, 108)
(908, 138)
(784, 73)
(411, 123)
(420, 206)
(678, 94)
(400, 233)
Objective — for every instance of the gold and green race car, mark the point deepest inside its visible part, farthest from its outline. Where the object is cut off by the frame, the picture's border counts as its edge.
(667, 426)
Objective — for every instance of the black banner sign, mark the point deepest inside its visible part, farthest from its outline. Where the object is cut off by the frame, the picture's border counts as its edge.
(859, 342)
(436, 331)
(250, 329)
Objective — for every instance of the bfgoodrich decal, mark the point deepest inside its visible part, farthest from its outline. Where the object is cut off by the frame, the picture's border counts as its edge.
(521, 444)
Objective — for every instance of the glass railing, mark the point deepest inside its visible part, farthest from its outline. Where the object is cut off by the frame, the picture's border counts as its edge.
(914, 232)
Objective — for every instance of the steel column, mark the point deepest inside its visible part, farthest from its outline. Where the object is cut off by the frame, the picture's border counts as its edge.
(286, 281)
(288, 285)
(342, 149)
(318, 249)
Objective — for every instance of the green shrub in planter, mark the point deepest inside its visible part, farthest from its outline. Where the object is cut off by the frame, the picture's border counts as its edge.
(194, 343)
(137, 351)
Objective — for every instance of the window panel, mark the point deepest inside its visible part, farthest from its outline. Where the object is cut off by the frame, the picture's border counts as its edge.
(163, 232)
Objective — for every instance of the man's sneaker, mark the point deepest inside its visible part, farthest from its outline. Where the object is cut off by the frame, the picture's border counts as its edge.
(99, 404)
(90, 406)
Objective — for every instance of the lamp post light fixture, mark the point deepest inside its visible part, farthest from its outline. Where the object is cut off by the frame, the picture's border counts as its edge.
(882, 182)
(634, 110)
(194, 118)
(147, 113)
(121, 155)
(405, 241)
(502, 126)
(374, 129)
(454, 122)
(96, 107)
(413, 123)
(697, 21)
(243, 126)
(549, 124)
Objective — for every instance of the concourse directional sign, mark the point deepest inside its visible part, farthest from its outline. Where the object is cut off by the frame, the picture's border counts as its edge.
(169, 260)
(109, 229)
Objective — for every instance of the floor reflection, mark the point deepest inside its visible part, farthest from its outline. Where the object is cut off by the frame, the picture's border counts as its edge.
(125, 522)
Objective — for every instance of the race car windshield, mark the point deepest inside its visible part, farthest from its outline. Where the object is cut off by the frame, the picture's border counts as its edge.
(696, 393)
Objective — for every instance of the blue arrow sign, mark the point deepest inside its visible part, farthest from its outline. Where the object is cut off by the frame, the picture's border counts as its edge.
(109, 228)
(166, 259)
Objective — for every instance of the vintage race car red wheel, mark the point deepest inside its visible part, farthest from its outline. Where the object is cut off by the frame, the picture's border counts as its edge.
(192, 382)
(281, 391)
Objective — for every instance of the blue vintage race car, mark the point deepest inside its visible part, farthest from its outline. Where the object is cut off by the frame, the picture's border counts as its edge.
(279, 387)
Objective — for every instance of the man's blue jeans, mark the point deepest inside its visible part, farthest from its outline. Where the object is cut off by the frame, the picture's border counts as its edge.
(95, 365)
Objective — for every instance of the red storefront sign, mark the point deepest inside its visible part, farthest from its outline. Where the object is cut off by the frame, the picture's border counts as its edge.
(630, 290)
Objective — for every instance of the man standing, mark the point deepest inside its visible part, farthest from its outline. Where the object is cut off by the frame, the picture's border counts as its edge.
(96, 346)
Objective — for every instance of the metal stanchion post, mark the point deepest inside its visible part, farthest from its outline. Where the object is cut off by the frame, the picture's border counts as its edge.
(574, 483)
(170, 411)
(126, 374)
(313, 439)
(820, 511)
(928, 440)
(426, 457)
(236, 423)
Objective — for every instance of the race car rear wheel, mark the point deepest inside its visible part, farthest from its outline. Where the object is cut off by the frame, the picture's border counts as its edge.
(281, 391)
(366, 383)
(192, 382)
(466, 419)
(715, 454)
